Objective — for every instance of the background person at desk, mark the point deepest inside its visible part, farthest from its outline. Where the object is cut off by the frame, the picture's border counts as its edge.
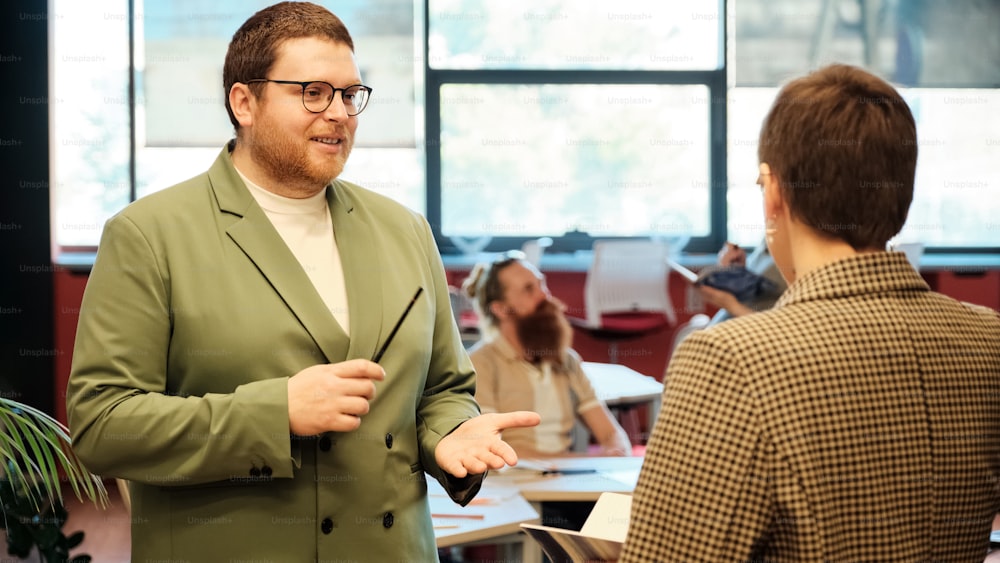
(758, 262)
(525, 360)
(859, 418)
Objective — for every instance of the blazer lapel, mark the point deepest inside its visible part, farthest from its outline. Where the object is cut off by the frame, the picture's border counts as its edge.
(256, 236)
(363, 270)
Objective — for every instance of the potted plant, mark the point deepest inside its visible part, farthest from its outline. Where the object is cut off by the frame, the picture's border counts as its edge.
(36, 461)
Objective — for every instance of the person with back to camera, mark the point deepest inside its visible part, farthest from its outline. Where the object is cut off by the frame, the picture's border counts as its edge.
(526, 362)
(858, 419)
(225, 361)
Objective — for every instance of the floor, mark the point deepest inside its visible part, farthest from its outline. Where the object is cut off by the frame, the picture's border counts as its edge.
(105, 531)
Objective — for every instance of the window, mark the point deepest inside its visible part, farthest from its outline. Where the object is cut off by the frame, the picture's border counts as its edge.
(945, 59)
(573, 123)
(125, 126)
(503, 121)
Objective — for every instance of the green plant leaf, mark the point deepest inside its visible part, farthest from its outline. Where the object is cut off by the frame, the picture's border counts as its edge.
(37, 450)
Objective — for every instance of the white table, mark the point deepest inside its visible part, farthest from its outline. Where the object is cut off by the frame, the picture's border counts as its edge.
(610, 474)
(494, 516)
(622, 388)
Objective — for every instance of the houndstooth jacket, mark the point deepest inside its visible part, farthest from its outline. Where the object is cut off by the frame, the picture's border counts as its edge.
(858, 420)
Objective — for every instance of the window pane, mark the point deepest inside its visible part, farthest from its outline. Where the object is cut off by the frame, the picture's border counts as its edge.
(911, 42)
(932, 51)
(180, 50)
(568, 34)
(954, 201)
(609, 160)
(181, 122)
(88, 119)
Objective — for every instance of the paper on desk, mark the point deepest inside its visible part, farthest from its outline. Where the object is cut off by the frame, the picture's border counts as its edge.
(600, 539)
(609, 518)
(628, 477)
(541, 465)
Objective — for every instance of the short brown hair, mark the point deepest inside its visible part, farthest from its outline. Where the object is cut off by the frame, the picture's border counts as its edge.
(483, 285)
(842, 144)
(254, 46)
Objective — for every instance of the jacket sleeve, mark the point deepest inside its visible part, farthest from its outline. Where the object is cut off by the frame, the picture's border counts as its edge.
(123, 421)
(703, 492)
(448, 398)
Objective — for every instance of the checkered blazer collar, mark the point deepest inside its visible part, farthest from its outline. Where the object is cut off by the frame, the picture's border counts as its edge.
(876, 272)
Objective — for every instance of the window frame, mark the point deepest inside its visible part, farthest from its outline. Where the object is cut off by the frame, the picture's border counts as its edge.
(718, 82)
(715, 80)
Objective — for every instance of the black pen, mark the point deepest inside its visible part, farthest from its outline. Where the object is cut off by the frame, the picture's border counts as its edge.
(378, 355)
(567, 471)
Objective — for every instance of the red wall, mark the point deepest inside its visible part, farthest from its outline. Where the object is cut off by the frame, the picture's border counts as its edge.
(647, 355)
(68, 294)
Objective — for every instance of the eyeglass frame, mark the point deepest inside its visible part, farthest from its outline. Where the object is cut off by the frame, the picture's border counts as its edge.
(303, 85)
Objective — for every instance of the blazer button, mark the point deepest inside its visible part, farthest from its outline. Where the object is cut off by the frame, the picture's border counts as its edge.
(325, 443)
(254, 472)
(266, 471)
(326, 526)
(387, 520)
(388, 441)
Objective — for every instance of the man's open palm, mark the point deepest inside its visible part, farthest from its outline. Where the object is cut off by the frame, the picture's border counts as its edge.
(475, 445)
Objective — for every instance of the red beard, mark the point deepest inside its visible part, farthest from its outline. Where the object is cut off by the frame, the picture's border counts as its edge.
(545, 334)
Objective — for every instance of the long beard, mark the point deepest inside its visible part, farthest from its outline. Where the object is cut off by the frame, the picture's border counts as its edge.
(289, 164)
(545, 334)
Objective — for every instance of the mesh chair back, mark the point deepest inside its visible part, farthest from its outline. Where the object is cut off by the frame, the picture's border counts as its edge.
(627, 276)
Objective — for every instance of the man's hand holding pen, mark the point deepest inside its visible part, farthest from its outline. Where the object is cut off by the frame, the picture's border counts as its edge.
(331, 397)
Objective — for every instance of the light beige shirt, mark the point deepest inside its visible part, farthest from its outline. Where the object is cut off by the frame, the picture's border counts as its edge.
(505, 382)
(306, 227)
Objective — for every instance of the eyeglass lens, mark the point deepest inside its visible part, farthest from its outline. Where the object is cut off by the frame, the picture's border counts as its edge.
(317, 96)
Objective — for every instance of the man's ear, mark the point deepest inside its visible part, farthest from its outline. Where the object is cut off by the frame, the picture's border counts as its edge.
(500, 310)
(242, 102)
(774, 201)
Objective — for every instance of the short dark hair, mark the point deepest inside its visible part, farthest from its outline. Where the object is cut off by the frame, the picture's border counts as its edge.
(254, 46)
(842, 144)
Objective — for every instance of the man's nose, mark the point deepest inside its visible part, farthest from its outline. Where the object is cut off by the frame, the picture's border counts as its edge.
(336, 111)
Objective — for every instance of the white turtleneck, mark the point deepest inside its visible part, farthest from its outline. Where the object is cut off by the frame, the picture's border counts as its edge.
(306, 227)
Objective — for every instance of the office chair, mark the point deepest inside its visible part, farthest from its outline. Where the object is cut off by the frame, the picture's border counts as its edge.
(914, 252)
(533, 250)
(625, 294)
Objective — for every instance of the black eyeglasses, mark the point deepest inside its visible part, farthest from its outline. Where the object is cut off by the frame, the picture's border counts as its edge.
(317, 95)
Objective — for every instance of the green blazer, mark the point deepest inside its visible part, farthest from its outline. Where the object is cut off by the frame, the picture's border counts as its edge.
(195, 315)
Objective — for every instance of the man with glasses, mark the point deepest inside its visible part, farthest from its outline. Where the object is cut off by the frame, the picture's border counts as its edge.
(223, 362)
